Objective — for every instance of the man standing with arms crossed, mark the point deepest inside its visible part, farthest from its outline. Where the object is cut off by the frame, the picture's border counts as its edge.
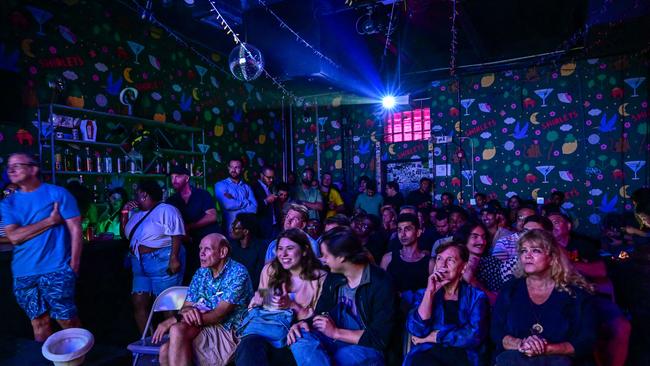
(43, 223)
(234, 195)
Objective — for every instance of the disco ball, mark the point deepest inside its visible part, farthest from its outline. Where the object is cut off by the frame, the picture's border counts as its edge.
(246, 66)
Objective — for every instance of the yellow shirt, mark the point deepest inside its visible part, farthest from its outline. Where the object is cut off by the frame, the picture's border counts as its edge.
(335, 197)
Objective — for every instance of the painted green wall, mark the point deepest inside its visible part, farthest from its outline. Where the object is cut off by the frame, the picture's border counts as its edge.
(591, 129)
(87, 43)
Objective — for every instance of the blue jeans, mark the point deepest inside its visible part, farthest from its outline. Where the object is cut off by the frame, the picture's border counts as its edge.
(315, 349)
(150, 272)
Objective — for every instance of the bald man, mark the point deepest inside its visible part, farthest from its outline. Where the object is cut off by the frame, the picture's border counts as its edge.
(204, 329)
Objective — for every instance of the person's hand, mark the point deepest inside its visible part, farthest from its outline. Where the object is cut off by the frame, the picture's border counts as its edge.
(131, 205)
(281, 301)
(74, 266)
(256, 301)
(192, 316)
(533, 346)
(228, 195)
(270, 198)
(162, 329)
(295, 332)
(431, 338)
(174, 265)
(55, 216)
(325, 325)
(630, 230)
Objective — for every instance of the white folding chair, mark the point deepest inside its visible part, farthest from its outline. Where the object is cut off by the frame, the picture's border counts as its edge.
(169, 300)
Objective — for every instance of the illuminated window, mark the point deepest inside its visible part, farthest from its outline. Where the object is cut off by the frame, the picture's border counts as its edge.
(412, 125)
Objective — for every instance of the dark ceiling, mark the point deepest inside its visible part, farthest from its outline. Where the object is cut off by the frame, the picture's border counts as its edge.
(418, 49)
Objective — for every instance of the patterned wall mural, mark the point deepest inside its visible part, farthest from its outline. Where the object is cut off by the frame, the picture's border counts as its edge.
(100, 48)
(580, 127)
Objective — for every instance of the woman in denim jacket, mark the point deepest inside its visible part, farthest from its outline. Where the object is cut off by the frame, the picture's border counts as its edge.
(451, 324)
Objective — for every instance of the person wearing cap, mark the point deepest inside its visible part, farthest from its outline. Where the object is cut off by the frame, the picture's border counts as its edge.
(494, 220)
(234, 195)
(199, 213)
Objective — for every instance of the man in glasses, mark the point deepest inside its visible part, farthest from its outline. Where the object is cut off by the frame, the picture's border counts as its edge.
(44, 225)
(266, 208)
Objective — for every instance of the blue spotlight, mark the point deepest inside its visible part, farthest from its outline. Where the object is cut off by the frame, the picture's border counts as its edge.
(388, 102)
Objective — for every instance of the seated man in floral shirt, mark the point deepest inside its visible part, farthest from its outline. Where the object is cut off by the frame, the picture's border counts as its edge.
(204, 329)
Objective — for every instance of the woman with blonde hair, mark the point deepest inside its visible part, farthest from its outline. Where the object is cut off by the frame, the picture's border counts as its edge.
(544, 316)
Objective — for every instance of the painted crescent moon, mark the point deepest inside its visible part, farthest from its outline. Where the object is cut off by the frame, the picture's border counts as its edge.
(533, 118)
(391, 149)
(127, 74)
(622, 111)
(244, 107)
(373, 137)
(457, 126)
(26, 46)
(195, 94)
(623, 191)
(534, 193)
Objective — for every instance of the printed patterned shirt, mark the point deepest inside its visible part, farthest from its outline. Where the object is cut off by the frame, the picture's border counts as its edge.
(232, 285)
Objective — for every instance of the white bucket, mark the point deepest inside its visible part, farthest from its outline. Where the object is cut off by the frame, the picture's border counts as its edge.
(68, 347)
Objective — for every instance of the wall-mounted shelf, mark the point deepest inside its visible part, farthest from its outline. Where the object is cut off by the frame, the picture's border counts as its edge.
(158, 131)
(89, 113)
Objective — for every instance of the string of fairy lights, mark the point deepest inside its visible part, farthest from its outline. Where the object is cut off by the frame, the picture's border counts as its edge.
(299, 39)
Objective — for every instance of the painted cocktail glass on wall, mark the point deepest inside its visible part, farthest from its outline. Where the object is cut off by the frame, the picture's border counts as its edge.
(544, 93)
(545, 170)
(466, 103)
(468, 174)
(634, 83)
(41, 17)
(136, 48)
(635, 165)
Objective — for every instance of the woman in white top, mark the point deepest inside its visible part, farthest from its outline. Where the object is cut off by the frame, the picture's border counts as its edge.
(157, 256)
(292, 280)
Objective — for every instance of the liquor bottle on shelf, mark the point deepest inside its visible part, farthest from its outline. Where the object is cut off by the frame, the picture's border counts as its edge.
(89, 160)
(158, 169)
(99, 163)
(58, 162)
(67, 160)
(108, 164)
(78, 163)
(120, 165)
(95, 194)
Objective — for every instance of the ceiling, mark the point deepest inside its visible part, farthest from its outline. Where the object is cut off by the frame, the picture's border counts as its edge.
(417, 51)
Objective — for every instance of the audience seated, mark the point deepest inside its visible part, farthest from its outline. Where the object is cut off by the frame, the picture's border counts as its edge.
(545, 315)
(291, 281)
(365, 228)
(355, 312)
(246, 245)
(409, 267)
(482, 270)
(451, 323)
(296, 218)
(204, 329)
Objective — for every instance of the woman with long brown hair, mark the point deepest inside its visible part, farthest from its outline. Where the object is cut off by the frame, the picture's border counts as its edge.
(291, 281)
(545, 315)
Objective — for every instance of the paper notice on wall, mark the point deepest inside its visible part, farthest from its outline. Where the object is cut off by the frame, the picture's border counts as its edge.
(443, 170)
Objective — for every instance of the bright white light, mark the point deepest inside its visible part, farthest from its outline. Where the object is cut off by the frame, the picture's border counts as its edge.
(189, 2)
(388, 102)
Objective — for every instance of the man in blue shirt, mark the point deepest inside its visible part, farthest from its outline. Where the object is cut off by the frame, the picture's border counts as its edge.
(43, 223)
(234, 195)
(215, 305)
(199, 213)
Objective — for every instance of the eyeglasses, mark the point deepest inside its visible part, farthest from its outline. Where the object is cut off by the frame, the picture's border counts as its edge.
(19, 166)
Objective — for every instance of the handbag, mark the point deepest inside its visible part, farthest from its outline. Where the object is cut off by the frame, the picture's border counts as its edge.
(273, 325)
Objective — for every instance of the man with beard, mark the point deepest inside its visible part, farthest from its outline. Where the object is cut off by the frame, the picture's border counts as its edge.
(234, 195)
(309, 196)
(199, 214)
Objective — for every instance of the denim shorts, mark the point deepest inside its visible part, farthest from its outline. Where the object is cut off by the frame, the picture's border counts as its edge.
(53, 292)
(150, 271)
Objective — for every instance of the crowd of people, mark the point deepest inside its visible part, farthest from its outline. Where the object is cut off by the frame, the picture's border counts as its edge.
(300, 272)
